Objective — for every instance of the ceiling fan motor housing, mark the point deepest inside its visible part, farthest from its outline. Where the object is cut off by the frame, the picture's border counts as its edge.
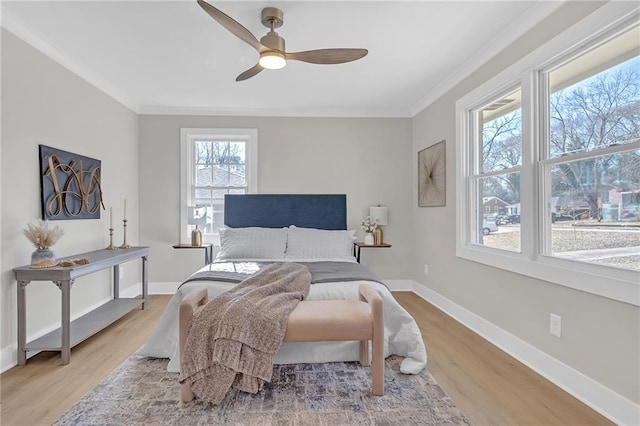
(272, 17)
(273, 41)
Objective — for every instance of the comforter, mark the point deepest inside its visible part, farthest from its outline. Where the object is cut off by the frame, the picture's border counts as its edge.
(402, 335)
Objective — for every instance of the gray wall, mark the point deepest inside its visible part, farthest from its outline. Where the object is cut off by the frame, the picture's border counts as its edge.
(367, 159)
(371, 160)
(600, 337)
(44, 103)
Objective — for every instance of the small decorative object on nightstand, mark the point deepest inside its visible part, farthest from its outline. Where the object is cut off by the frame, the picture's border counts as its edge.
(197, 216)
(380, 216)
(196, 237)
(369, 227)
(369, 239)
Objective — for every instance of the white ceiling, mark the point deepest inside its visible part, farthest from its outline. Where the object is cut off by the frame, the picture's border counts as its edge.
(170, 57)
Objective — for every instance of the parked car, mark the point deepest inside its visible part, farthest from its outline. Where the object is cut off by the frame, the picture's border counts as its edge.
(489, 226)
(562, 217)
(502, 219)
(513, 218)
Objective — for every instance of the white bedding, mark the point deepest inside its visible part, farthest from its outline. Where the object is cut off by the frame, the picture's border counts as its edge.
(402, 335)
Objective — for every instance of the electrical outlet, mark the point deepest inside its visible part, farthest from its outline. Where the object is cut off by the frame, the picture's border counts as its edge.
(555, 325)
(426, 269)
(121, 274)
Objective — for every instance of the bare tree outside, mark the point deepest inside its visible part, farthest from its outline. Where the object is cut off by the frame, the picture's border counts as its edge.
(594, 196)
(598, 112)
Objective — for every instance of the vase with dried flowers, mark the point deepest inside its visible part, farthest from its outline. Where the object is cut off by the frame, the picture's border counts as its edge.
(368, 227)
(42, 236)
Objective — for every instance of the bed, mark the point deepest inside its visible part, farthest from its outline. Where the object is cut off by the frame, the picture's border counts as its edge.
(308, 229)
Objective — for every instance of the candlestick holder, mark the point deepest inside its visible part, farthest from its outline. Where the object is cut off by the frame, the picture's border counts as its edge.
(111, 246)
(124, 243)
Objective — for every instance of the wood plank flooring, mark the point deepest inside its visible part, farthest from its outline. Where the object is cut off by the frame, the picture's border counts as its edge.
(488, 385)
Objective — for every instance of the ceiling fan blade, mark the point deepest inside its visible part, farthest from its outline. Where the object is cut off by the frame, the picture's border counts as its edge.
(249, 73)
(232, 25)
(328, 56)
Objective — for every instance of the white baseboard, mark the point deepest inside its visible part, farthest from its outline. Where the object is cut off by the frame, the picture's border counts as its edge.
(9, 354)
(163, 287)
(607, 402)
(400, 285)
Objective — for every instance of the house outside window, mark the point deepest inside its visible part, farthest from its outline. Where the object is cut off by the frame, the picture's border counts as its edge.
(556, 136)
(215, 162)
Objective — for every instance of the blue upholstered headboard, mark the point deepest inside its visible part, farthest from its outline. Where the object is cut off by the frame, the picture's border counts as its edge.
(321, 211)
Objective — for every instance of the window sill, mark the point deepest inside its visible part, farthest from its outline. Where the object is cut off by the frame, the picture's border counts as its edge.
(617, 284)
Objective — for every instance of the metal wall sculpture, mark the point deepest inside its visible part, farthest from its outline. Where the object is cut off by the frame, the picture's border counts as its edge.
(70, 185)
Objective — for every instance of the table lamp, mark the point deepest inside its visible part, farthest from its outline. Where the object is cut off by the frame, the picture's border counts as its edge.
(380, 216)
(197, 216)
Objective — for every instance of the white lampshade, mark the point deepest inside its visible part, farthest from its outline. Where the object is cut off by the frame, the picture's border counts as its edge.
(197, 215)
(379, 215)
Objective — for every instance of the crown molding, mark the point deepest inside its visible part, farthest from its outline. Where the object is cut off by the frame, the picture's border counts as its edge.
(273, 112)
(509, 35)
(17, 27)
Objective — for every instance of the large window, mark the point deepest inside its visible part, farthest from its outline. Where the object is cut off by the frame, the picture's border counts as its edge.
(495, 177)
(591, 162)
(549, 165)
(215, 162)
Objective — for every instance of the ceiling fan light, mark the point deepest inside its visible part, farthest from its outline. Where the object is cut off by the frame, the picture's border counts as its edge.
(272, 60)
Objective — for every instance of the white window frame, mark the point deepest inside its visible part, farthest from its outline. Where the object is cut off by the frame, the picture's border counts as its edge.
(188, 136)
(618, 284)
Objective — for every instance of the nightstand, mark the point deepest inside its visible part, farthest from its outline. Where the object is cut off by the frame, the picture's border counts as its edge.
(208, 250)
(357, 246)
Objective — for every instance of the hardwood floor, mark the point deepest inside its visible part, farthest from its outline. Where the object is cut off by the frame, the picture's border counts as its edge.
(41, 391)
(491, 387)
(488, 385)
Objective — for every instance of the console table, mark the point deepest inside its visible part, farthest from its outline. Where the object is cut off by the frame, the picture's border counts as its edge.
(73, 332)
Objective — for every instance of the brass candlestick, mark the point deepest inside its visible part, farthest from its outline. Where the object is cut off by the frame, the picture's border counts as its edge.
(124, 243)
(111, 246)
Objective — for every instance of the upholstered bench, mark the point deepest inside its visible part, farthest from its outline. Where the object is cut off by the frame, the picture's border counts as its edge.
(317, 321)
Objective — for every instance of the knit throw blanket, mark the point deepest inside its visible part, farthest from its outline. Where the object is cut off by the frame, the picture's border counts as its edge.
(232, 340)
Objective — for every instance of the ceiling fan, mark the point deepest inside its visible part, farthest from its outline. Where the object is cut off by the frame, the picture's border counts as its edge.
(271, 46)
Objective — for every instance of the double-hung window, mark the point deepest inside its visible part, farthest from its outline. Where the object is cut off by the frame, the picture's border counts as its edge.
(549, 165)
(215, 162)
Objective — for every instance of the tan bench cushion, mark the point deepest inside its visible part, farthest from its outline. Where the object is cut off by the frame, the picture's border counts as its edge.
(329, 320)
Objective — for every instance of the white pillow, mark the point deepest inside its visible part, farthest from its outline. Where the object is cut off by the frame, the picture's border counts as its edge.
(304, 243)
(252, 243)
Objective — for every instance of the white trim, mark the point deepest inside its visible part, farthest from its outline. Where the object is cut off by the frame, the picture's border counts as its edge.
(187, 135)
(614, 283)
(520, 26)
(605, 401)
(164, 287)
(399, 285)
(14, 25)
(275, 112)
(9, 354)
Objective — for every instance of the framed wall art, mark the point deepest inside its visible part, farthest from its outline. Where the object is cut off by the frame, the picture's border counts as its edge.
(432, 163)
(69, 185)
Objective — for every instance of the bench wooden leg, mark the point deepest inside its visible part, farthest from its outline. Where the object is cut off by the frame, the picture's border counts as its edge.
(188, 307)
(364, 353)
(369, 295)
(377, 366)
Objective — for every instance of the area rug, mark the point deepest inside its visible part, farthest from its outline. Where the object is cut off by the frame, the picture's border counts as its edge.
(141, 391)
